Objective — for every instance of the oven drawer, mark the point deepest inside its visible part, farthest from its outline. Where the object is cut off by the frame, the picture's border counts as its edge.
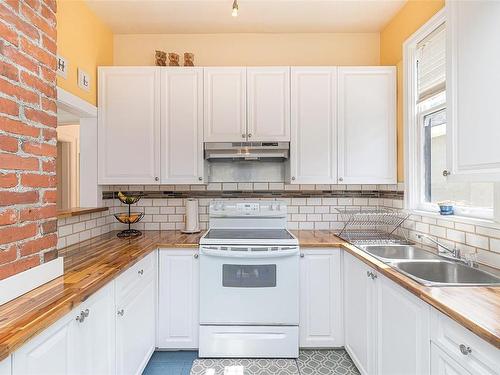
(249, 341)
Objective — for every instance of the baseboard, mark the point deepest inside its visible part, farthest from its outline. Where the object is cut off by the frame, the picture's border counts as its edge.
(21, 283)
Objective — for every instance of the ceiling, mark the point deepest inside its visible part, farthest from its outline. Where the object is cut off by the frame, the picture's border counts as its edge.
(255, 16)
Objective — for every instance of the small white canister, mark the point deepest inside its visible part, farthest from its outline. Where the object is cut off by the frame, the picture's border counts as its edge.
(191, 220)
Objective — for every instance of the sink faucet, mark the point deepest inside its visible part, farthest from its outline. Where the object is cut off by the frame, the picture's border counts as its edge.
(455, 253)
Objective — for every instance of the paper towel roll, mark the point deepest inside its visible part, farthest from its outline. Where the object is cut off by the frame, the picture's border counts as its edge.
(191, 217)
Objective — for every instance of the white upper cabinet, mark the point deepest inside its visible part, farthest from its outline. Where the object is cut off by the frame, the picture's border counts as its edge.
(225, 104)
(472, 83)
(367, 125)
(268, 104)
(129, 125)
(320, 324)
(313, 144)
(182, 126)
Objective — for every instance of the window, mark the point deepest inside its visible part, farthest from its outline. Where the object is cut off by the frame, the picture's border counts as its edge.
(427, 181)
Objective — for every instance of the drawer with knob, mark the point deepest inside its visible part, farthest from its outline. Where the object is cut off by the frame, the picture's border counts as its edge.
(138, 274)
(463, 346)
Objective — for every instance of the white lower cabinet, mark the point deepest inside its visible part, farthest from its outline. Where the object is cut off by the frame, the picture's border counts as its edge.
(6, 366)
(80, 343)
(136, 316)
(178, 308)
(386, 328)
(443, 364)
(320, 324)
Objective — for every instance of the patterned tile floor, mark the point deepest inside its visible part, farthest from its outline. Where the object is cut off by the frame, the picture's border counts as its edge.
(310, 362)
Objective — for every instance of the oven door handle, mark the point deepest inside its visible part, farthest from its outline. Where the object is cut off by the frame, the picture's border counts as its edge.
(249, 254)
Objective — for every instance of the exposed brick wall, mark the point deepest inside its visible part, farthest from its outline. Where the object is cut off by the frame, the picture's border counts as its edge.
(28, 226)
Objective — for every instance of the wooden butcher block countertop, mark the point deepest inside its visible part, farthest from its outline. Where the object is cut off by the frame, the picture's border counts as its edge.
(93, 263)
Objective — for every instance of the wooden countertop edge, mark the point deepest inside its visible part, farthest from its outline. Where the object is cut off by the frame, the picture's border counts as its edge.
(77, 211)
(49, 314)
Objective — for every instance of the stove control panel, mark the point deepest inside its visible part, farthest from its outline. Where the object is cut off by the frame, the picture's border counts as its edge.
(247, 208)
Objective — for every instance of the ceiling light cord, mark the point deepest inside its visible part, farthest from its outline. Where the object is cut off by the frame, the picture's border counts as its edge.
(234, 13)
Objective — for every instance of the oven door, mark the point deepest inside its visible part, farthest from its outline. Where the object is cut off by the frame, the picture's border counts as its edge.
(249, 285)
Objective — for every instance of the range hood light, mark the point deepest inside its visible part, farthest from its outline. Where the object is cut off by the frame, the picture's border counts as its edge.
(234, 13)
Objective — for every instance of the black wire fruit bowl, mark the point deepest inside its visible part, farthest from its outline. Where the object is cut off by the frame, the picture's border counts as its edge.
(128, 199)
(129, 218)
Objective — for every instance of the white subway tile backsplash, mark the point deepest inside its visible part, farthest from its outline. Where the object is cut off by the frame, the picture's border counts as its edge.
(477, 241)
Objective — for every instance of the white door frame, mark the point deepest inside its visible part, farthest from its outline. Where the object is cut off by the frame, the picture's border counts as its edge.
(90, 192)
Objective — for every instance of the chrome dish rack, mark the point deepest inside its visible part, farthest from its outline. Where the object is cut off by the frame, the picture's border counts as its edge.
(373, 225)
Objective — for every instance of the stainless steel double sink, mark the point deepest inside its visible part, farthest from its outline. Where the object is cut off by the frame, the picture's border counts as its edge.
(430, 269)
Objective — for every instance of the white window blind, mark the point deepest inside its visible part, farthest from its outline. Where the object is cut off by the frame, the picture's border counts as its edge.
(431, 69)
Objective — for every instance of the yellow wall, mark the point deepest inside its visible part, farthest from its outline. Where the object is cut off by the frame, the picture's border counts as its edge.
(252, 49)
(85, 42)
(408, 20)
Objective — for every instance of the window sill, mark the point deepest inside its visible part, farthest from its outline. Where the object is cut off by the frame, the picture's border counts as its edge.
(488, 223)
(77, 211)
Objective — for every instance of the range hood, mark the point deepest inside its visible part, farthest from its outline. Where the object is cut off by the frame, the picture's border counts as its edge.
(247, 150)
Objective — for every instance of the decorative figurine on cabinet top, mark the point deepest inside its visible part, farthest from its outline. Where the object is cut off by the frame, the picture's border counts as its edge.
(161, 58)
(188, 59)
(173, 59)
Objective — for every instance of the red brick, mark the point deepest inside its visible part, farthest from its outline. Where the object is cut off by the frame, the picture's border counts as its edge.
(49, 15)
(50, 196)
(13, 19)
(42, 24)
(18, 127)
(8, 217)
(48, 74)
(19, 266)
(14, 4)
(8, 198)
(9, 107)
(45, 88)
(18, 58)
(15, 162)
(34, 4)
(35, 246)
(9, 70)
(49, 105)
(9, 144)
(38, 180)
(50, 255)
(8, 255)
(16, 233)
(52, 4)
(49, 44)
(40, 149)
(8, 34)
(37, 213)
(8, 180)
(41, 117)
(49, 227)
(49, 166)
(40, 54)
(49, 134)
(18, 92)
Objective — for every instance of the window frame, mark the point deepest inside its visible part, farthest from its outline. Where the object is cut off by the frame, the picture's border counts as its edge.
(413, 132)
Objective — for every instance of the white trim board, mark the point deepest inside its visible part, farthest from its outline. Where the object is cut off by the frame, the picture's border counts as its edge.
(21, 283)
(74, 104)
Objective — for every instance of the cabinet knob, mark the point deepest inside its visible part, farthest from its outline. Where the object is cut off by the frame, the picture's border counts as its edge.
(293, 178)
(341, 179)
(302, 255)
(465, 350)
(250, 135)
(374, 276)
(195, 256)
(243, 136)
(121, 312)
(140, 272)
(368, 274)
(200, 178)
(86, 313)
(446, 173)
(157, 179)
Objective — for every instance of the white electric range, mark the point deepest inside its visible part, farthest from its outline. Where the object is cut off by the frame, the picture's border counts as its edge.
(249, 282)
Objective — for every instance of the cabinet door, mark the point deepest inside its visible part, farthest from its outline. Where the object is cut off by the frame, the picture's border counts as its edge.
(182, 126)
(313, 144)
(178, 300)
(443, 364)
(129, 125)
(367, 125)
(225, 104)
(320, 299)
(472, 82)
(359, 314)
(6, 366)
(50, 353)
(403, 325)
(135, 328)
(95, 335)
(268, 104)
